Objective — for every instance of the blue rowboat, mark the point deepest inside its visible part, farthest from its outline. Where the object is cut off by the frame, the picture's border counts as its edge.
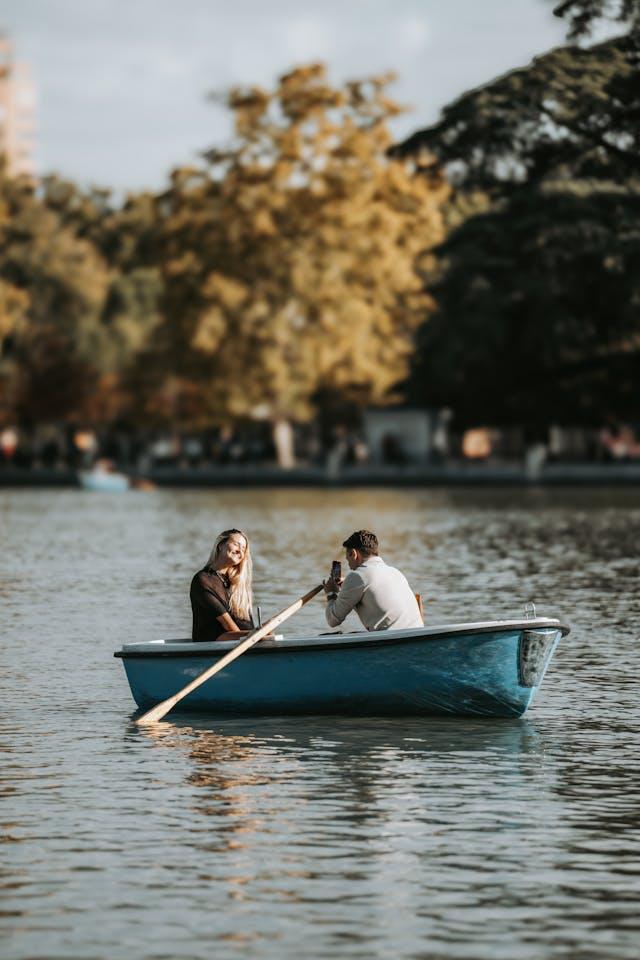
(492, 668)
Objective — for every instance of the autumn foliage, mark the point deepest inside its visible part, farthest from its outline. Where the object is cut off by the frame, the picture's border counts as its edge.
(293, 262)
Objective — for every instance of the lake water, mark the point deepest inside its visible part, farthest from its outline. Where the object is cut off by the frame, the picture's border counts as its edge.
(320, 838)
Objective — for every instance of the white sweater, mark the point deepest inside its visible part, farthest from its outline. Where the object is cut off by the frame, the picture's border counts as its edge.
(379, 594)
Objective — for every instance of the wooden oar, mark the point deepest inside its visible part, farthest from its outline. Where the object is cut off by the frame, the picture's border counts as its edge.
(158, 712)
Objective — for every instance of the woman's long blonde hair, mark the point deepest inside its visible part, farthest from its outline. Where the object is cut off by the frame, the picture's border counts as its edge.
(240, 577)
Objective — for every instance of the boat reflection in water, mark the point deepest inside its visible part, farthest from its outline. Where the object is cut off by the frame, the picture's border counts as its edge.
(303, 825)
(259, 776)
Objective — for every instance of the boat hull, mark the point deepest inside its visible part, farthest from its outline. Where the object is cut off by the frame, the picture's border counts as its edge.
(473, 672)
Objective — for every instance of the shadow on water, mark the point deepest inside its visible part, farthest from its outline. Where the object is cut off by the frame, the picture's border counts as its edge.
(354, 733)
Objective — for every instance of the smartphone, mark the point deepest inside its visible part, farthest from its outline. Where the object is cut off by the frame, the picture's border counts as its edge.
(336, 570)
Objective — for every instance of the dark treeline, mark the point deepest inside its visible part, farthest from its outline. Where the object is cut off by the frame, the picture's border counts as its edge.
(539, 290)
(490, 264)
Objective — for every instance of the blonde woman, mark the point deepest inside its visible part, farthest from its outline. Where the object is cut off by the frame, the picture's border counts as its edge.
(221, 598)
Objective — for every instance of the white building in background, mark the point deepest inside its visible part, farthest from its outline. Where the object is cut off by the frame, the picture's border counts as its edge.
(17, 111)
(398, 434)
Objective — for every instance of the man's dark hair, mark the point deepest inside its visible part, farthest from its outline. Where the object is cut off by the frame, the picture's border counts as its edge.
(364, 541)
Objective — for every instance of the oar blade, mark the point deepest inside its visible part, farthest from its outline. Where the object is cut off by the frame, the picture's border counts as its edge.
(156, 713)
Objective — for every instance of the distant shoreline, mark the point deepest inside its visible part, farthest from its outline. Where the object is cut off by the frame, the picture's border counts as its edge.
(417, 475)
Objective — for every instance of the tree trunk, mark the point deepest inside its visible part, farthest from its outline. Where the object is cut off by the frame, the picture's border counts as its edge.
(283, 442)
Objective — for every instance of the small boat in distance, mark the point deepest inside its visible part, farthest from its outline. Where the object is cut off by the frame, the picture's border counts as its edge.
(103, 482)
(103, 478)
(489, 668)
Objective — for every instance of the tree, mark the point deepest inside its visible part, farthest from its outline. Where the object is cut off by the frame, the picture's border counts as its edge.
(538, 313)
(79, 293)
(56, 283)
(583, 15)
(573, 113)
(14, 305)
(539, 291)
(294, 264)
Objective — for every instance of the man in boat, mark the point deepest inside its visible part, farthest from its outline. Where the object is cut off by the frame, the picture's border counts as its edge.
(379, 594)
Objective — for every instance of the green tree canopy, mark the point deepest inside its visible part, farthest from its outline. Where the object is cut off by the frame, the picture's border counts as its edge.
(538, 312)
(54, 284)
(539, 292)
(583, 15)
(79, 296)
(572, 113)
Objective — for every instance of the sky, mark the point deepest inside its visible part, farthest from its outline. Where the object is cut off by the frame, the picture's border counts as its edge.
(122, 84)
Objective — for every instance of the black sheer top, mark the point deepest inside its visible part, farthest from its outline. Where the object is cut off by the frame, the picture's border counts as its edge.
(209, 595)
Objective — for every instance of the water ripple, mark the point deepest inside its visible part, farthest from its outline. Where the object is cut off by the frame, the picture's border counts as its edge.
(330, 838)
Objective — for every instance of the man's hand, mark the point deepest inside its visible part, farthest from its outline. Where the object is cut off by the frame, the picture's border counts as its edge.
(331, 586)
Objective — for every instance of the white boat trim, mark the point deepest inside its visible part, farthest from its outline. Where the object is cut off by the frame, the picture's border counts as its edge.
(335, 639)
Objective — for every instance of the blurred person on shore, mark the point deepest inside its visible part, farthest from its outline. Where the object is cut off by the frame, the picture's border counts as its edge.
(165, 450)
(193, 451)
(221, 593)
(8, 443)
(379, 594)
(52, 449)
(392, 450)
(619, 442)
(85, 445)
